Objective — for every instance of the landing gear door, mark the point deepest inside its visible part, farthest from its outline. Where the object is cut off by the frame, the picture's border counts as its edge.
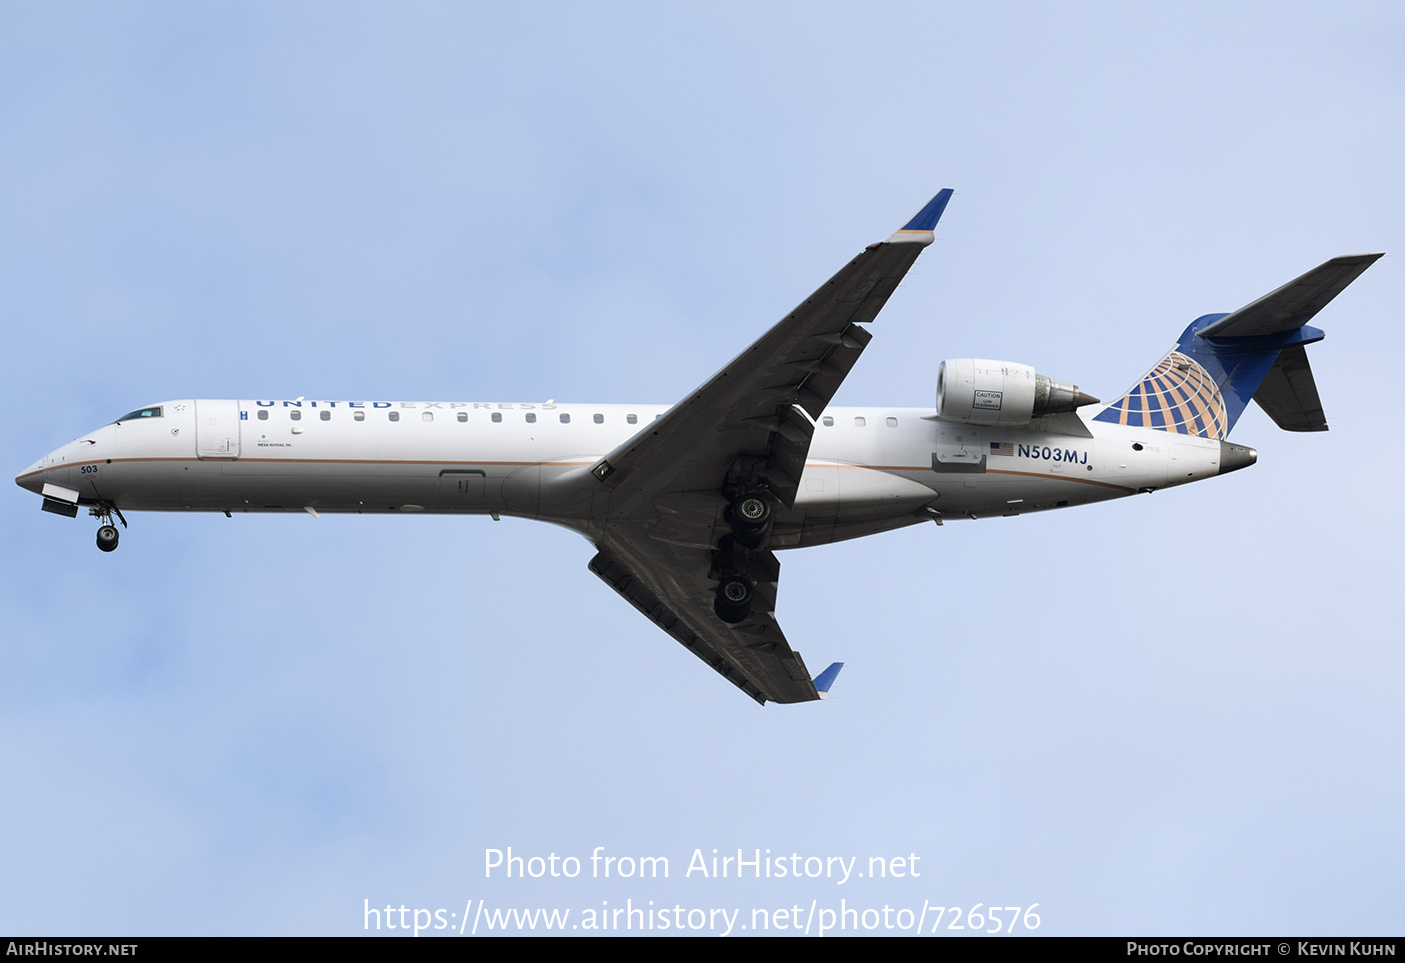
(217, 429)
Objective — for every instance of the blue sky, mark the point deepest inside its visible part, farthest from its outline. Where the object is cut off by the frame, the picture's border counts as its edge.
(1176, 714)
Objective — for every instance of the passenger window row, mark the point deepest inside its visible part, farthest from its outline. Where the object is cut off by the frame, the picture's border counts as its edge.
(859, 421)
(295, 414)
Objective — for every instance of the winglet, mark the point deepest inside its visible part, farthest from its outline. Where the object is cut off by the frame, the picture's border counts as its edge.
(920, 228)
(826, 678)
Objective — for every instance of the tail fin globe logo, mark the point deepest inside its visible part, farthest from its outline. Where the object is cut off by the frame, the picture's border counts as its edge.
(1177, 395)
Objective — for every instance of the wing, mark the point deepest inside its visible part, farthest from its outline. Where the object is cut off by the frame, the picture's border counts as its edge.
(749, 407)
(748, 428)
(670, 585)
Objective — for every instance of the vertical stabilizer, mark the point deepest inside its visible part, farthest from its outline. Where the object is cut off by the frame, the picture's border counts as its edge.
(1223, 361)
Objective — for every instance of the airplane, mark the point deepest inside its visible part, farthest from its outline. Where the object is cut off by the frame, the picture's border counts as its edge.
(687, 506)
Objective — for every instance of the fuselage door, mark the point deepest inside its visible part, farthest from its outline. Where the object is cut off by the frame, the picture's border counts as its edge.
(960, 448)
(217, 429)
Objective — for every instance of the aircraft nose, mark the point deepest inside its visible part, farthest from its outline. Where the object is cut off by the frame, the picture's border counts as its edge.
(32, 478)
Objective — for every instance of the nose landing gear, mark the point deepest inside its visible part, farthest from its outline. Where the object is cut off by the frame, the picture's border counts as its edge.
(107, 533)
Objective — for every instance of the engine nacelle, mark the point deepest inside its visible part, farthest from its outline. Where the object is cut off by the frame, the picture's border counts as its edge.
(982, 392)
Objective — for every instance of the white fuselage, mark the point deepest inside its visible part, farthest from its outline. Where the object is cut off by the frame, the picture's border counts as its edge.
(868, 469)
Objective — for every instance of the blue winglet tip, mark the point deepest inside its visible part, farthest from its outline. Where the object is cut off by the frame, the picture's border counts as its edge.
(826, 679)
(927, 218)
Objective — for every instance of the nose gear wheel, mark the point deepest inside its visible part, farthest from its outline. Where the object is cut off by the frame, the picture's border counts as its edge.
(107, 532)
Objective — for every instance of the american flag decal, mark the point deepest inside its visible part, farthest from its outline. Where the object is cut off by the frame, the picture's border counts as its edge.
(1002, 448)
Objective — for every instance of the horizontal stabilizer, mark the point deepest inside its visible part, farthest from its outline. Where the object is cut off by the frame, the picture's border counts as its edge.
(1294, 304)
(1289, 393)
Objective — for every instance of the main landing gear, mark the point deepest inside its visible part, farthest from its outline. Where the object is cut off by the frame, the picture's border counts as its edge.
(734, 596)
(749, 514)
(107, 532)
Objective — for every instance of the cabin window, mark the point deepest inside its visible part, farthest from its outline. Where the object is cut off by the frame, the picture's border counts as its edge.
(426, 416)
(531, 417)
(463, 416)
(827, 421)
(325, 415)
(859, 421)
(295, 415)
(263, 414)
(497, 417)
(599, 419)
(892, 422)
(565, 418)
(358, 415)
(394, 415)
(632, 419)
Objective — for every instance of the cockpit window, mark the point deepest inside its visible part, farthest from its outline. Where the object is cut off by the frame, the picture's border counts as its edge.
(139, 414)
